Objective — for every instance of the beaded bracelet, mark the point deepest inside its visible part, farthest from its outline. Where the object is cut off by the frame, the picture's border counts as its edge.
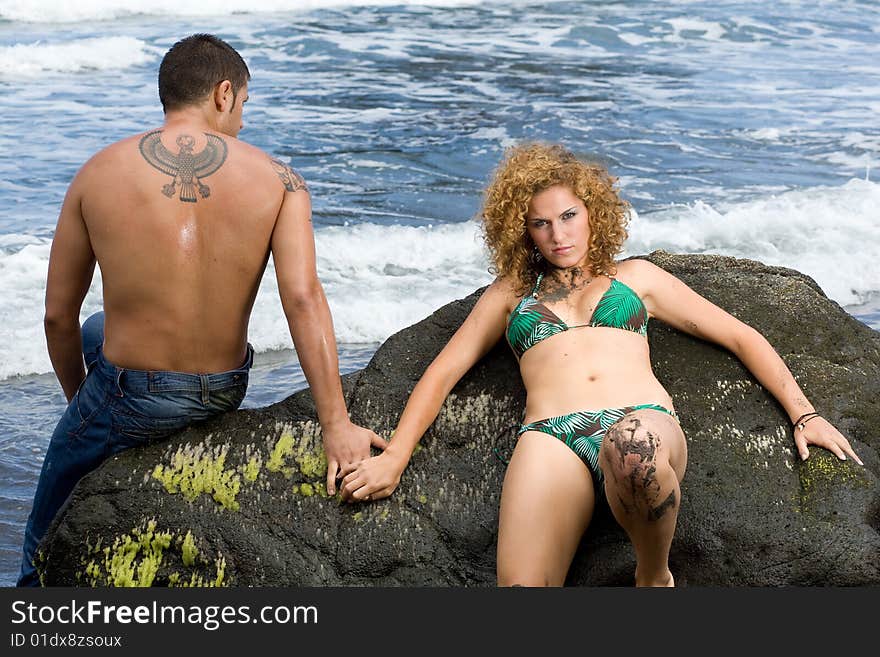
(801, 422)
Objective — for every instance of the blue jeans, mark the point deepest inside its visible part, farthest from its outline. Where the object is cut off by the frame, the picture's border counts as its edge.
(113, 410)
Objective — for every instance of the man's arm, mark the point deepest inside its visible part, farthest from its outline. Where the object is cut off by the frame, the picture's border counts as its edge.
(311, 327)
(71, 266)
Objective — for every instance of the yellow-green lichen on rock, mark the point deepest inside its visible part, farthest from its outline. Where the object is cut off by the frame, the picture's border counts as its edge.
(193, 470)
(307, 454)
(188, 550)
(312, 463)
(40, 564)
(309, 459)
(282, 449)
(310, 489)
(823, 470)
(197, 580)
(134, 560)
(201, 469)
(252, 469)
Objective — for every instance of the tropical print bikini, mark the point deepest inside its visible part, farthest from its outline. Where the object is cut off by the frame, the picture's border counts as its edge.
(532, 322)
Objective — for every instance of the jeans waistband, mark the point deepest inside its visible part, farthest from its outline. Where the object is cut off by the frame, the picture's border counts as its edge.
(163, 381)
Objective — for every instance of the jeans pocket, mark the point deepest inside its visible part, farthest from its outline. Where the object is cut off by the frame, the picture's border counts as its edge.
(140, 429)
(229, 399)
(89, 400)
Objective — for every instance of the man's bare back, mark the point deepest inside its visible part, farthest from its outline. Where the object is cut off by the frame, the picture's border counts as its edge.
(180, 220)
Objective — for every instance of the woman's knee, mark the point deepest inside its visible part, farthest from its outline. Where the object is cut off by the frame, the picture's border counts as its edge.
(635, 462)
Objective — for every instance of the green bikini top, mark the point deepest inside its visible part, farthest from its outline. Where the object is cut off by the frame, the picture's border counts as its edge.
(531, 321)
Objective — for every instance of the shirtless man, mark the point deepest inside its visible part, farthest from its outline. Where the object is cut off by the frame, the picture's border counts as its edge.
(181, 221)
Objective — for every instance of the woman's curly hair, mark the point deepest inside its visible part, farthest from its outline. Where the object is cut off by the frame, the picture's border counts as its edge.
(528, 169)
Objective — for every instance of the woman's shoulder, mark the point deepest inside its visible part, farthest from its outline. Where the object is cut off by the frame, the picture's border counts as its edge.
(504, 285)
(636, 269)
(639, 274)
(505, 291)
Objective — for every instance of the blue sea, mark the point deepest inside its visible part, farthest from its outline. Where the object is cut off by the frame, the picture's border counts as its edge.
(742, 128)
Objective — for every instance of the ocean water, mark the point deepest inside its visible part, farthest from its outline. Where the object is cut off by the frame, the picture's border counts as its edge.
(735, 127)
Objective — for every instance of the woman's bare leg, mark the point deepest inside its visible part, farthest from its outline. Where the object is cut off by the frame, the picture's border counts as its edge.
(643, 458)
(546, 504)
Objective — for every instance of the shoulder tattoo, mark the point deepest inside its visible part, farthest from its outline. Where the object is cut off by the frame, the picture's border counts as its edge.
(187, 169)
(293, 182)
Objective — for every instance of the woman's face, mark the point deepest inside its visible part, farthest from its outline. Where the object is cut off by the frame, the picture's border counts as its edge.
(559, 225)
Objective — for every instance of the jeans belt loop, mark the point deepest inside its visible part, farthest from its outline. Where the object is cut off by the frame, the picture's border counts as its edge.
(206, 389)
(119, 372)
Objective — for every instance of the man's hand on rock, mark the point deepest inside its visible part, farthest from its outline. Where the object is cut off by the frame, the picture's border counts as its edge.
(345, 444)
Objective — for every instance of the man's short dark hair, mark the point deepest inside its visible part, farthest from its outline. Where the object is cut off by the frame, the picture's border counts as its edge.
(194, 66)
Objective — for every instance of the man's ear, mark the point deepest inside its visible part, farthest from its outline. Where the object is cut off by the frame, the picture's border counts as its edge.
(223, 96)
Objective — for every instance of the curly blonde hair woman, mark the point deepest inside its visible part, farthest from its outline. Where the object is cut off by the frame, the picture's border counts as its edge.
(530, 168)
(598, 427)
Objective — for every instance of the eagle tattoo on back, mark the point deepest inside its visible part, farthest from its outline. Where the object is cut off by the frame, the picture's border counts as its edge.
(187, 169)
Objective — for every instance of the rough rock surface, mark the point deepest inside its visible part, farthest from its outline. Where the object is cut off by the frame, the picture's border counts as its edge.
(239, 500)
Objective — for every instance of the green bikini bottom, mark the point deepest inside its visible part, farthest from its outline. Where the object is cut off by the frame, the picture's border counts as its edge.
(583, 431)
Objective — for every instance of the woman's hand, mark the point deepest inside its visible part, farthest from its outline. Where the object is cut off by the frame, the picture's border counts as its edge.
(346, 444)
(371, 479)
(819, 431)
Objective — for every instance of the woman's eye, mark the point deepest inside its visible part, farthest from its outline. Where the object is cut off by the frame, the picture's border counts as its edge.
(569, 215)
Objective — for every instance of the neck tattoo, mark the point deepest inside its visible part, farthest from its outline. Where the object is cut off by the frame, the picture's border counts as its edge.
(562, 282)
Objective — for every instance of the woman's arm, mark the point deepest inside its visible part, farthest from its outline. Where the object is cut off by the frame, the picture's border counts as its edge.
(377, 477)
(671, 301)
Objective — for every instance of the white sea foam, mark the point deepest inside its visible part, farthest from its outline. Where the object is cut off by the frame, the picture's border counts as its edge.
(380, 279)
(708, 30)
(766, 134)
(825, 232)
(53, 11)
(101, 54)
(635, 39)
(499, 135)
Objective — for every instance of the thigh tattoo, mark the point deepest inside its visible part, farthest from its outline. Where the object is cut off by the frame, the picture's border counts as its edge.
(635, 449)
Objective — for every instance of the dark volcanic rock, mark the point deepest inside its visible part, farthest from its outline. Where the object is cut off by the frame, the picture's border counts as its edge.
(239, 500)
